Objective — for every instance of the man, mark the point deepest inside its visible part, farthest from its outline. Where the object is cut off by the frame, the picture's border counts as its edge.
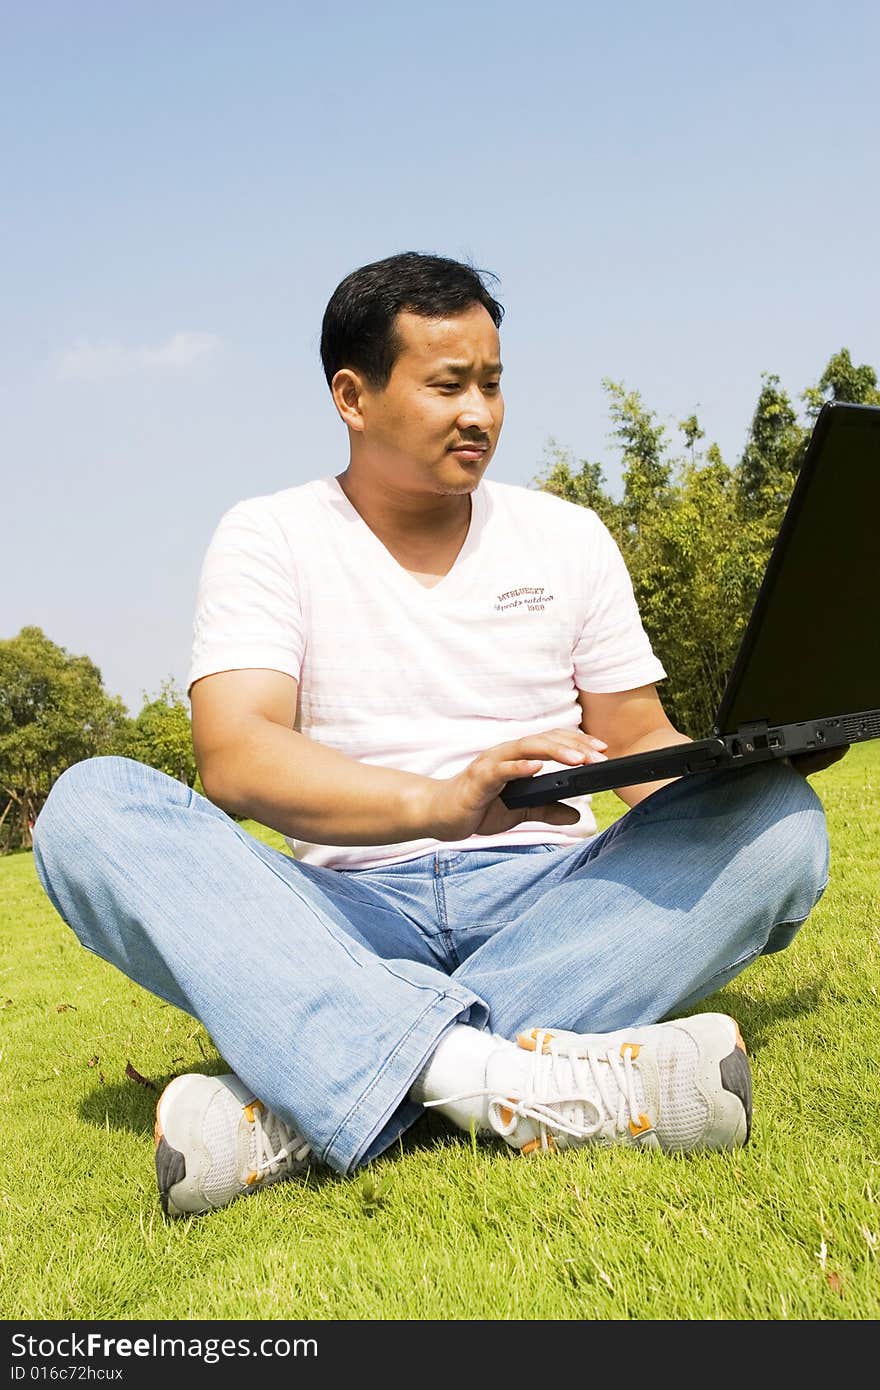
(375, 655)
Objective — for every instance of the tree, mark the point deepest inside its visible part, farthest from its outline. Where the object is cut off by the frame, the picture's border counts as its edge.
(772, 457)
(690, 566)
(577, 481)
(161, 735)
(841, 381)
(692, 575)
(692, 432)
(54, 711)
(646, 473)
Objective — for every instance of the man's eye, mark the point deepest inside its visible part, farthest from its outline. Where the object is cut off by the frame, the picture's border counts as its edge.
(492, 386)
(448, 386)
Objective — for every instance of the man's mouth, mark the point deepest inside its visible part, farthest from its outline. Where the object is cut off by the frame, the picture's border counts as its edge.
(470, 452)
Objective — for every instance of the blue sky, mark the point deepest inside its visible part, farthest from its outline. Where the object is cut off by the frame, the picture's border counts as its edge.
(678, 197)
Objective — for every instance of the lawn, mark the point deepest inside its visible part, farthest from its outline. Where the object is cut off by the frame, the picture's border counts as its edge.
(440, 1229)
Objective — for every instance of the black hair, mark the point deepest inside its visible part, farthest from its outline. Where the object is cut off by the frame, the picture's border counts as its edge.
(358, 329)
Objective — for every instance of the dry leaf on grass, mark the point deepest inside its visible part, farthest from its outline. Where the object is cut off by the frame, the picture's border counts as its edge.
(136, 1076)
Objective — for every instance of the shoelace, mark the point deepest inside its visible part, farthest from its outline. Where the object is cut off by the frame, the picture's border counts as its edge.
(558, 1096)
(269, 1159)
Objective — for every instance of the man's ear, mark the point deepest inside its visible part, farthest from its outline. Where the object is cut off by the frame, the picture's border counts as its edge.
(348, 388)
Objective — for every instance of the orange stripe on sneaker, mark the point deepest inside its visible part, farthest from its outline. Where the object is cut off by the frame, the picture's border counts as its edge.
(249, 1110)
(642, 1127)
(530, 1040)
(739, 1037)
(536, 1146)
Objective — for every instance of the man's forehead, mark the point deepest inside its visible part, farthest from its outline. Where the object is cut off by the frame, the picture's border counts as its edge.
(454, 337)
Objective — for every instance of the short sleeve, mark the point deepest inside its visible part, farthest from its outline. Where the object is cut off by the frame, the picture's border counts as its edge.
(613, 651)
(248, 609)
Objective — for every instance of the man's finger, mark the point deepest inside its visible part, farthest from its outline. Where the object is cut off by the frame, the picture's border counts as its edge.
(556, 813)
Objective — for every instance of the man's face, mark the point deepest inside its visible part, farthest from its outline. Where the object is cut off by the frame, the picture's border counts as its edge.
(434, 427)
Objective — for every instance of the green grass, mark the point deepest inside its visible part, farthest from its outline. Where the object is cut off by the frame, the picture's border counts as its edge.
(441, 1228)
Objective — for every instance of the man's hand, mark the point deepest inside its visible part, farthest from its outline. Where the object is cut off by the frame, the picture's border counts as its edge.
(254, 764)
(469, 803)
(808, 763)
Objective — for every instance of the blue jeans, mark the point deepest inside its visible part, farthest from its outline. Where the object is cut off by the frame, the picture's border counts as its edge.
(327, 990)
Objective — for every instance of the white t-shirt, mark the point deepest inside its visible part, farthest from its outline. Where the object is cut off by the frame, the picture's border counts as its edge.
(537, 605)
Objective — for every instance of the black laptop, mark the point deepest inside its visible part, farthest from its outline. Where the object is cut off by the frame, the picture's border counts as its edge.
(807, 672)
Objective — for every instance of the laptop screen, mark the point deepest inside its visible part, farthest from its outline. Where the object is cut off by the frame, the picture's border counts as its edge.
(812, 645)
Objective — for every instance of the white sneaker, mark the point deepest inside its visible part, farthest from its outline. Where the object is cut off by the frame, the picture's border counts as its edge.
(681, 1085)
(216, 1141)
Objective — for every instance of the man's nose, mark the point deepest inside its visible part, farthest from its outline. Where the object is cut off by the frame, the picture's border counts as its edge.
(476, 411)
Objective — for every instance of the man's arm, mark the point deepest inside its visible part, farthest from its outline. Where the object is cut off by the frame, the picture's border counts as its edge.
(633, 721)
(253, 763)
(630, 721)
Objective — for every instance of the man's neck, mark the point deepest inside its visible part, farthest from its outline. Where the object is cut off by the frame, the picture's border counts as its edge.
(422, 519)
(423, 534)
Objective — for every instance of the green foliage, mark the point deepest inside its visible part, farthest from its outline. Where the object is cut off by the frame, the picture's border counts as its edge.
(161, 735)
(691, 570)
(54, 712)
(695, 532)
(690, 428)
(646, 473)
(772, 456)
(577, 481)
(841, 381)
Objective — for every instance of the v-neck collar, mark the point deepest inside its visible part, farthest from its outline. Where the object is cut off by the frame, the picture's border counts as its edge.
(450, 580)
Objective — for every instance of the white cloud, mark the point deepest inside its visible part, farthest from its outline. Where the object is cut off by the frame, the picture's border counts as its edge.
(90, 361)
